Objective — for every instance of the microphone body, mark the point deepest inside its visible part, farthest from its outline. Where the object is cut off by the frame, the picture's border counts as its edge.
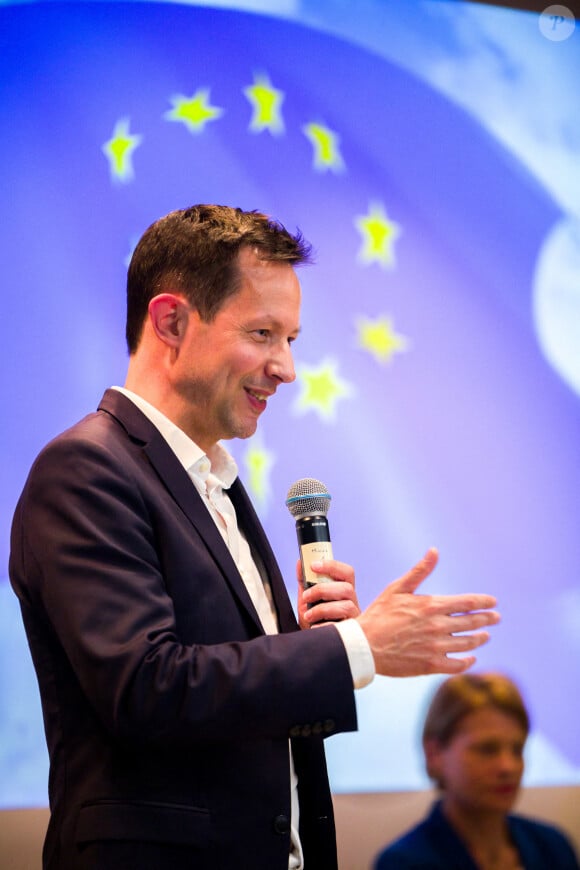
(308, 501)
(314, 544)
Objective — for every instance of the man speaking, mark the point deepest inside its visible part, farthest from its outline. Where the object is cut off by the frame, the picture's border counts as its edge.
(184, 705)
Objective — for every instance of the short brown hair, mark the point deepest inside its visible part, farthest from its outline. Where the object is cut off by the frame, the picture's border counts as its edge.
(195, 250)
(460, 695)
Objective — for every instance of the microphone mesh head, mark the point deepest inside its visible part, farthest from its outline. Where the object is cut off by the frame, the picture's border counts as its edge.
(306, 497)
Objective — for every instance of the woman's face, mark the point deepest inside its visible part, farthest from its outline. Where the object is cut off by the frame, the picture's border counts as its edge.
(482, 765)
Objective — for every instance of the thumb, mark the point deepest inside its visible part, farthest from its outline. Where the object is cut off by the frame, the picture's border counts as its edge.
(413, 578)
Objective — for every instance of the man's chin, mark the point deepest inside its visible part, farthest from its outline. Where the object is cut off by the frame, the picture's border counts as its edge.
(243, 430)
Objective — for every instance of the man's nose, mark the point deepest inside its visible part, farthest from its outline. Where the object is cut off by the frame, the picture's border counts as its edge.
(281, 364)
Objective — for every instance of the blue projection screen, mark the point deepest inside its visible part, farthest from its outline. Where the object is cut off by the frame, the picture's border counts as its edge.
(431, 153)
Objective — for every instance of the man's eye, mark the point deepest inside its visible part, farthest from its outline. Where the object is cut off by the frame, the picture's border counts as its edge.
(262, 333)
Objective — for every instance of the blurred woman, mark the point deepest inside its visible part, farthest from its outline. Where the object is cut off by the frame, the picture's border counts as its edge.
(473, 738)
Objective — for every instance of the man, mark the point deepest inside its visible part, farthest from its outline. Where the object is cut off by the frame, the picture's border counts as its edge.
(184, 709)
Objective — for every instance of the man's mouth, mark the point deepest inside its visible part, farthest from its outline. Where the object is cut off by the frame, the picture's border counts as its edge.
(258, 396)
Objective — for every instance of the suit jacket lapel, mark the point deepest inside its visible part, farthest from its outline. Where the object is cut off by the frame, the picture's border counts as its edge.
(176, 480)
(253, 529)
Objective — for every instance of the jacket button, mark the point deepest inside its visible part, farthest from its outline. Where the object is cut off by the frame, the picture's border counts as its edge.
(282, 824)
(329, 725)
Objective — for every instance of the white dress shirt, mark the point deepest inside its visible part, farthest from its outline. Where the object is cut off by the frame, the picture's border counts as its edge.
(212, 477)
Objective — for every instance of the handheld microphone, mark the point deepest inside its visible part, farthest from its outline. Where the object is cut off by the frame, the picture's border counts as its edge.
(308, 501)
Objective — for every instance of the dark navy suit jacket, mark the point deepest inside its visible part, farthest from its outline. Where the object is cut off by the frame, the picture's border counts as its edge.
(434, 845)
(167, 709)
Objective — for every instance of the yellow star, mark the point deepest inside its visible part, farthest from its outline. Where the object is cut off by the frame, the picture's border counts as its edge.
(379, 338)
(321, 388)
(259, 462)
(379, 235)
(119, 151)
(266, 102)
(195, 112)
(326, 147)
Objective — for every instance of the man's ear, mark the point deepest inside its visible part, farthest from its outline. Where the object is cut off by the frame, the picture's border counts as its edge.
(169, 315)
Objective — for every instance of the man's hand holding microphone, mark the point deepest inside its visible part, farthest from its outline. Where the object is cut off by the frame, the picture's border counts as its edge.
(409, 633)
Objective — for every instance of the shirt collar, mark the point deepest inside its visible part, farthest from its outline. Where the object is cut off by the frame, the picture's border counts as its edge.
(197, 463)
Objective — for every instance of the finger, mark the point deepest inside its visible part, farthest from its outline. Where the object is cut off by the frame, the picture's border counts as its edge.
(462, 604)
(465, 642)
(413, 578)
(456, 666)
(473, 621)
(330, 601)
(299, 572)
(334, 591)
(453, 663)
(334, 569)
(331, 611)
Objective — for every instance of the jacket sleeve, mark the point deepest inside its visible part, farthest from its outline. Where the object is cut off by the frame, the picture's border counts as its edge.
(133, 608)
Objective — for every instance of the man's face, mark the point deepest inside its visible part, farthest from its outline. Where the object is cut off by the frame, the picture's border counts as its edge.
(227, 369)
(482, 766)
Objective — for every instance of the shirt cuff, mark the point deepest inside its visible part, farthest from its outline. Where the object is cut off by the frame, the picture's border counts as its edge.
(358, 651)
